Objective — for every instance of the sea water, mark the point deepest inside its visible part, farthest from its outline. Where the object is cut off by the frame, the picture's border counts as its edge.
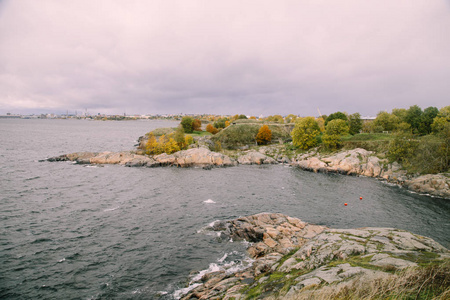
(73, 231)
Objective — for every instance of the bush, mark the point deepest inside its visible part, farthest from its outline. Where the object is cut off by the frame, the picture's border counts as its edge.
(401, 148)
(196, 125)
(186, 122)
(304, 135)
(211, 129)
(335, 129)
(264, 135)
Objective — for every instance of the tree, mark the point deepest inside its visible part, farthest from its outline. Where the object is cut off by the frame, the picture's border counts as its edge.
(151, 146)
(197, 125)
(386, 120)
(321, 123)
(211, 129)
(401, 148)
(400, 113)
(291, 118)
(336, 115)
(304, 135)
(428, 116)
(179, 136)
(355, 123)
(264, 135)
(186, 122)
(170, 146)
(442, 118)
(334, 130)
(244, 117)
(414, 117)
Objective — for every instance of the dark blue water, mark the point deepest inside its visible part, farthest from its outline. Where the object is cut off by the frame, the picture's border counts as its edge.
(81, 232)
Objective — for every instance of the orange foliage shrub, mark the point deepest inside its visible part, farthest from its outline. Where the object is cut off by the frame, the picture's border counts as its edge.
(211, 129)
(264, 135)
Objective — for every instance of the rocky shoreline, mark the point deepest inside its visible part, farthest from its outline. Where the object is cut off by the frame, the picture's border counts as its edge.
(361, 162)
(357, 162)
(291, 256)
(194, 157)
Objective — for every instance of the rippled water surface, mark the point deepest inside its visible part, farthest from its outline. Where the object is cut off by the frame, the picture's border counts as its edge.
(82, 232)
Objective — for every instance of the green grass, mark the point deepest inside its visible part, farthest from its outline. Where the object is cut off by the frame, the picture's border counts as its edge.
(200, 133)
(368, 137)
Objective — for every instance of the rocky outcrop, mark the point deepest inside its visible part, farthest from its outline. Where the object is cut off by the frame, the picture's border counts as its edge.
(365, 163)
(290, 255)
(255, 158)
(195, 157)
(433, 184)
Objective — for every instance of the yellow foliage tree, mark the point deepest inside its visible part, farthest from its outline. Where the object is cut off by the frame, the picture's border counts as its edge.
(264, 135)
(188, 140)
(170, 146)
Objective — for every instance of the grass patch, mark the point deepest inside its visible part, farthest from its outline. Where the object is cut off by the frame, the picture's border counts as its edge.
(431, 282)
(368, 137)
(163, 131)
(200, 133)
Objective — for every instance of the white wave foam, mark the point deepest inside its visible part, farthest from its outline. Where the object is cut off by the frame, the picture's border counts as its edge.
(111, 209)
(231, 262)
(61, 260)
(178, 293)
(209, 201)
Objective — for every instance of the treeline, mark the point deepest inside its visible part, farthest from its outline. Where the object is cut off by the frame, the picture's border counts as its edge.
(418, 139)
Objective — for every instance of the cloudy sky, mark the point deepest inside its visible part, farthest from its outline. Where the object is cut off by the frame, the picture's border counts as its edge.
(223, 57)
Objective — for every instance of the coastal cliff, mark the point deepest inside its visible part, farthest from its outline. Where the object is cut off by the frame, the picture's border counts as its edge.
(295, 260)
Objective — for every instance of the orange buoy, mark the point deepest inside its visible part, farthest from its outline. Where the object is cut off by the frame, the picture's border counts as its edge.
(360, 198)
(345, 204)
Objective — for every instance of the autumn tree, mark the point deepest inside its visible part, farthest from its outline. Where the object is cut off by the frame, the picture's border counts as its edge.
(211, 129)
(304, 135)
(197, 125)
(264, 135)
(335, 129)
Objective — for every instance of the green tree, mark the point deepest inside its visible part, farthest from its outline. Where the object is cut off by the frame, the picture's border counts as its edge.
(179, 136)
(335, 129)
(402, 148)
(242, 117)
(414, 117)
(400, 113)
(291, 118)
(304, 135)
(264, 135)
(442, 118)
(186, 122)
(427, 119)
(336, 115)
(386, 121)
(354, 123)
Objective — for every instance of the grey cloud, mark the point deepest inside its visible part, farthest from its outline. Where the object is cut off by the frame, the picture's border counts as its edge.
(257, 57)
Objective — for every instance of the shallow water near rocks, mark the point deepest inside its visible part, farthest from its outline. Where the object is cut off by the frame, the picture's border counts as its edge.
(110, 232)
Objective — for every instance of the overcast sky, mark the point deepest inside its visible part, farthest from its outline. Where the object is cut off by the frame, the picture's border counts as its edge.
(223, 57)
